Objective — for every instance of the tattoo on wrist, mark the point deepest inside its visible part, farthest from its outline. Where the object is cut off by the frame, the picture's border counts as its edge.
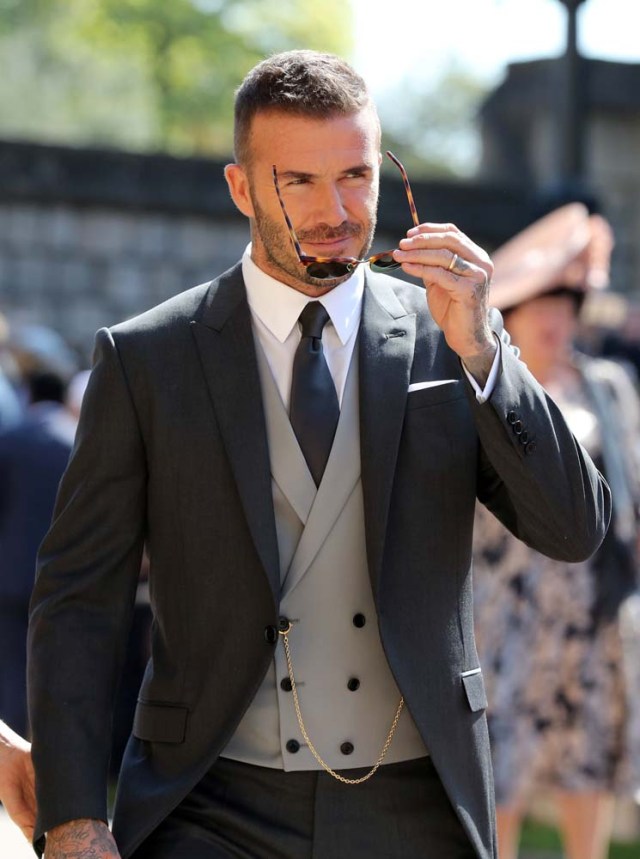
(81, 839)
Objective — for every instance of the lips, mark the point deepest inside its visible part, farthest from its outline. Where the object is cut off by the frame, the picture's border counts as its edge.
(326, 246)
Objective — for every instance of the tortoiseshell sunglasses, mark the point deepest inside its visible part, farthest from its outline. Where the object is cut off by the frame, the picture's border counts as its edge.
(323, 268)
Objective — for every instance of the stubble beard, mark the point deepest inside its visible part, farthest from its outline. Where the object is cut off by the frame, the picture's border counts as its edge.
(278, 248)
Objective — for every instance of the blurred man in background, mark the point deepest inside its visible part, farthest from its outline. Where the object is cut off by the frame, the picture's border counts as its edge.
(33, 455)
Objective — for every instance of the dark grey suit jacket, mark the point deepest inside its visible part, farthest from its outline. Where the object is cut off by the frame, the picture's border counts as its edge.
(172, 450)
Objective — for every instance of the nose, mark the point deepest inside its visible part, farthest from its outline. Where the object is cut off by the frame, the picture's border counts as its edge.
(329, 205)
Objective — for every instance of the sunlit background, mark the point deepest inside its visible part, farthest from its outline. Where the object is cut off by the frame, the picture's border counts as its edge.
(145, 75)
(451, 54)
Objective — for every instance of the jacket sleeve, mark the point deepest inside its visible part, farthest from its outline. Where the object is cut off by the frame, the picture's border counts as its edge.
(533, 474)
(83, 599)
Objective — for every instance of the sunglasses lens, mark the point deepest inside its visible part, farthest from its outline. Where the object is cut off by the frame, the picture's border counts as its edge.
(385, 262)
(327, 270)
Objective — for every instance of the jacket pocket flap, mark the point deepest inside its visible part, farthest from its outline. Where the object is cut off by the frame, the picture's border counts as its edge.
(160, 723)
(474, 687)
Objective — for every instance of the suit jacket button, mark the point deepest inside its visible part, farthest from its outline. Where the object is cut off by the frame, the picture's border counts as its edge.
(285, 684)
(518, 427)
(347, 748)
(524, 437)
(359, 620)
(293, 746)
(353, 684)
(530, 447)
(270, 634)
(512, 417)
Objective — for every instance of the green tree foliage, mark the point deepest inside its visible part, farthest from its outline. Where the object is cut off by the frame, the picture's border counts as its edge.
(146, 74)
(432, 129)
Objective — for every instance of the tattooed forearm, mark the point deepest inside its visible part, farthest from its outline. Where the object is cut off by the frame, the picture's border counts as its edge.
(479, 364)
(81, 839)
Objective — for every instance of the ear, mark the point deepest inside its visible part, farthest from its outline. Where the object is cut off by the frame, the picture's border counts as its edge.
(238, 183)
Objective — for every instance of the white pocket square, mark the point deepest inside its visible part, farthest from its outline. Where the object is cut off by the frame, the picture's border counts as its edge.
(419, 386)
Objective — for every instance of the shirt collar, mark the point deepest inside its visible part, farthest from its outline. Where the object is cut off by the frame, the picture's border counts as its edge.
(278, 306)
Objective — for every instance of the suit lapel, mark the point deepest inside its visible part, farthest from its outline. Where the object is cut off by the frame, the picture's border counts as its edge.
(224, 339)
(386, 348)
(288, 466)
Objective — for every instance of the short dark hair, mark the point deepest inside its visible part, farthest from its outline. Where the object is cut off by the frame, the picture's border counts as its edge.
(577, 296)
(303, 83)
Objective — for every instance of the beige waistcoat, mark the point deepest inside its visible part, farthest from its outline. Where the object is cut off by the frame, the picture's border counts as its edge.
(325, 584)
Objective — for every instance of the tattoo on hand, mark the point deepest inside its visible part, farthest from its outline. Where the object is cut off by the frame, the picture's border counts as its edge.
(461, 266)
(81, 839)
(480, 290)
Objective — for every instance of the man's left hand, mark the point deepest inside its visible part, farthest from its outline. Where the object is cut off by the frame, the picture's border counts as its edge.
(456, 273)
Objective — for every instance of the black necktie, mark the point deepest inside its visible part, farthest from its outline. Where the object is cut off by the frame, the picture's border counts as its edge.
(314, 409)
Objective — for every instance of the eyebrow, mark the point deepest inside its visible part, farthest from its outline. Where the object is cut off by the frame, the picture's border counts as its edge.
(300, 174)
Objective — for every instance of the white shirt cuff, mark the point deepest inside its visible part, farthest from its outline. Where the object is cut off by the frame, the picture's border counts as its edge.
(483, 394)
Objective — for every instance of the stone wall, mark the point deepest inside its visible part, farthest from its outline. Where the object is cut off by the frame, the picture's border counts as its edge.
(77, 269)
(88, 237)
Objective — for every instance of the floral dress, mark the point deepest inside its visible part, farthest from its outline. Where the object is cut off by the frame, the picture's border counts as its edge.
(563, 683)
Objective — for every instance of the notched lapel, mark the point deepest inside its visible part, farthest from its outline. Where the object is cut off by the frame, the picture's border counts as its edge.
(387, 341)
(224, 340)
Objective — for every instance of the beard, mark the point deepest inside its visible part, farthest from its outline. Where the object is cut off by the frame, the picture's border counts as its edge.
(280, 252)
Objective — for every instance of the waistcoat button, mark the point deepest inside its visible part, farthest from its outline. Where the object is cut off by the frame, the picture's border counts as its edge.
(359, 620)
(285, 684)
(346, 748)
(283, 624)
(353, 684)
(293, 746)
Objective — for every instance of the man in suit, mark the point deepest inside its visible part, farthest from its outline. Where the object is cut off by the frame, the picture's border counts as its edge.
(33, 456)
(299, 443)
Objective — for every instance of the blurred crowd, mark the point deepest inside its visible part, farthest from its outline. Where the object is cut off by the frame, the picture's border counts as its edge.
(42, 383)
(560, 643)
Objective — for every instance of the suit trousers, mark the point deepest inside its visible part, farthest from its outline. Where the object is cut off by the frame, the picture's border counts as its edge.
(239, 811)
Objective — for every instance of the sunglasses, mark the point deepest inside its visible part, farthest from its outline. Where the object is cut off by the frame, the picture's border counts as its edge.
(324, 268)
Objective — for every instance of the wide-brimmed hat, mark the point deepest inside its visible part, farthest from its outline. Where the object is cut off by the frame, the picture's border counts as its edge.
(567, 248)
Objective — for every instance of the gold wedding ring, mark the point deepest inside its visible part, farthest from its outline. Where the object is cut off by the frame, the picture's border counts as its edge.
(452, 264)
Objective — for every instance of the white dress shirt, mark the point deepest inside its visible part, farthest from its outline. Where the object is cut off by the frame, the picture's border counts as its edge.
(276, 307)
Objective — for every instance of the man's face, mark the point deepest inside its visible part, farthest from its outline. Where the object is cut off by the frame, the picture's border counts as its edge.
(328, 172)
(544, 328)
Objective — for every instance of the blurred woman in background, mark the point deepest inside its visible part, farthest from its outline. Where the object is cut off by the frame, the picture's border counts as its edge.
(559, 643)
